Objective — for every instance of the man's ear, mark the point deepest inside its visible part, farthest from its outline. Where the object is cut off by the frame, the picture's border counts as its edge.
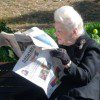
(75, 33)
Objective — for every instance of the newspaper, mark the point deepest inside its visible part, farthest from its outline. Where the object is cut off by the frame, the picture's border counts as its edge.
(17, 41)
(37, 66)
(23, 40)
(35, 63)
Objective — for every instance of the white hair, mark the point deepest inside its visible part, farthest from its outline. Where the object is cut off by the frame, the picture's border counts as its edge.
(69, 18)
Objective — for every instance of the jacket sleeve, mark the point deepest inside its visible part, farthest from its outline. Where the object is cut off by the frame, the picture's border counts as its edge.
(86, 70)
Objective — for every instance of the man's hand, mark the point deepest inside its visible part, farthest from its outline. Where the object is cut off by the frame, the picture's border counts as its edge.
(61, 54)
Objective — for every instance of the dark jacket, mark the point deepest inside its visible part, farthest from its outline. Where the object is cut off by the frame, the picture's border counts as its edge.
(82, 79)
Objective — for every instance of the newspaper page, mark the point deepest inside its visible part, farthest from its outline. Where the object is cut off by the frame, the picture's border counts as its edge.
(36, 64)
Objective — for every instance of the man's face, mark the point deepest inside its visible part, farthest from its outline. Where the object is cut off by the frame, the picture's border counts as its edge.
(64, 38)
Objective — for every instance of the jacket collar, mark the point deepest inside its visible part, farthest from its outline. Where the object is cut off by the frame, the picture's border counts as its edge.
(81, 41)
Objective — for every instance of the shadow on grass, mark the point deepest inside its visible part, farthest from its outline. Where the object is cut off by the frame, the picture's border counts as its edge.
(89, 10)
(41, 17)
(26, 27)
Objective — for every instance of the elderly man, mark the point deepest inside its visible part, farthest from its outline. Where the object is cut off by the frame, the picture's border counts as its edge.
(80, 61)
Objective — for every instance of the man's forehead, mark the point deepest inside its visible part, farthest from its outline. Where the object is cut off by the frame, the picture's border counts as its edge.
(58, 24)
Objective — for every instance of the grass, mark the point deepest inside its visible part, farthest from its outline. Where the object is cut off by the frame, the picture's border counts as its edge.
(7, 54)
(51, 32)
(93, 29)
